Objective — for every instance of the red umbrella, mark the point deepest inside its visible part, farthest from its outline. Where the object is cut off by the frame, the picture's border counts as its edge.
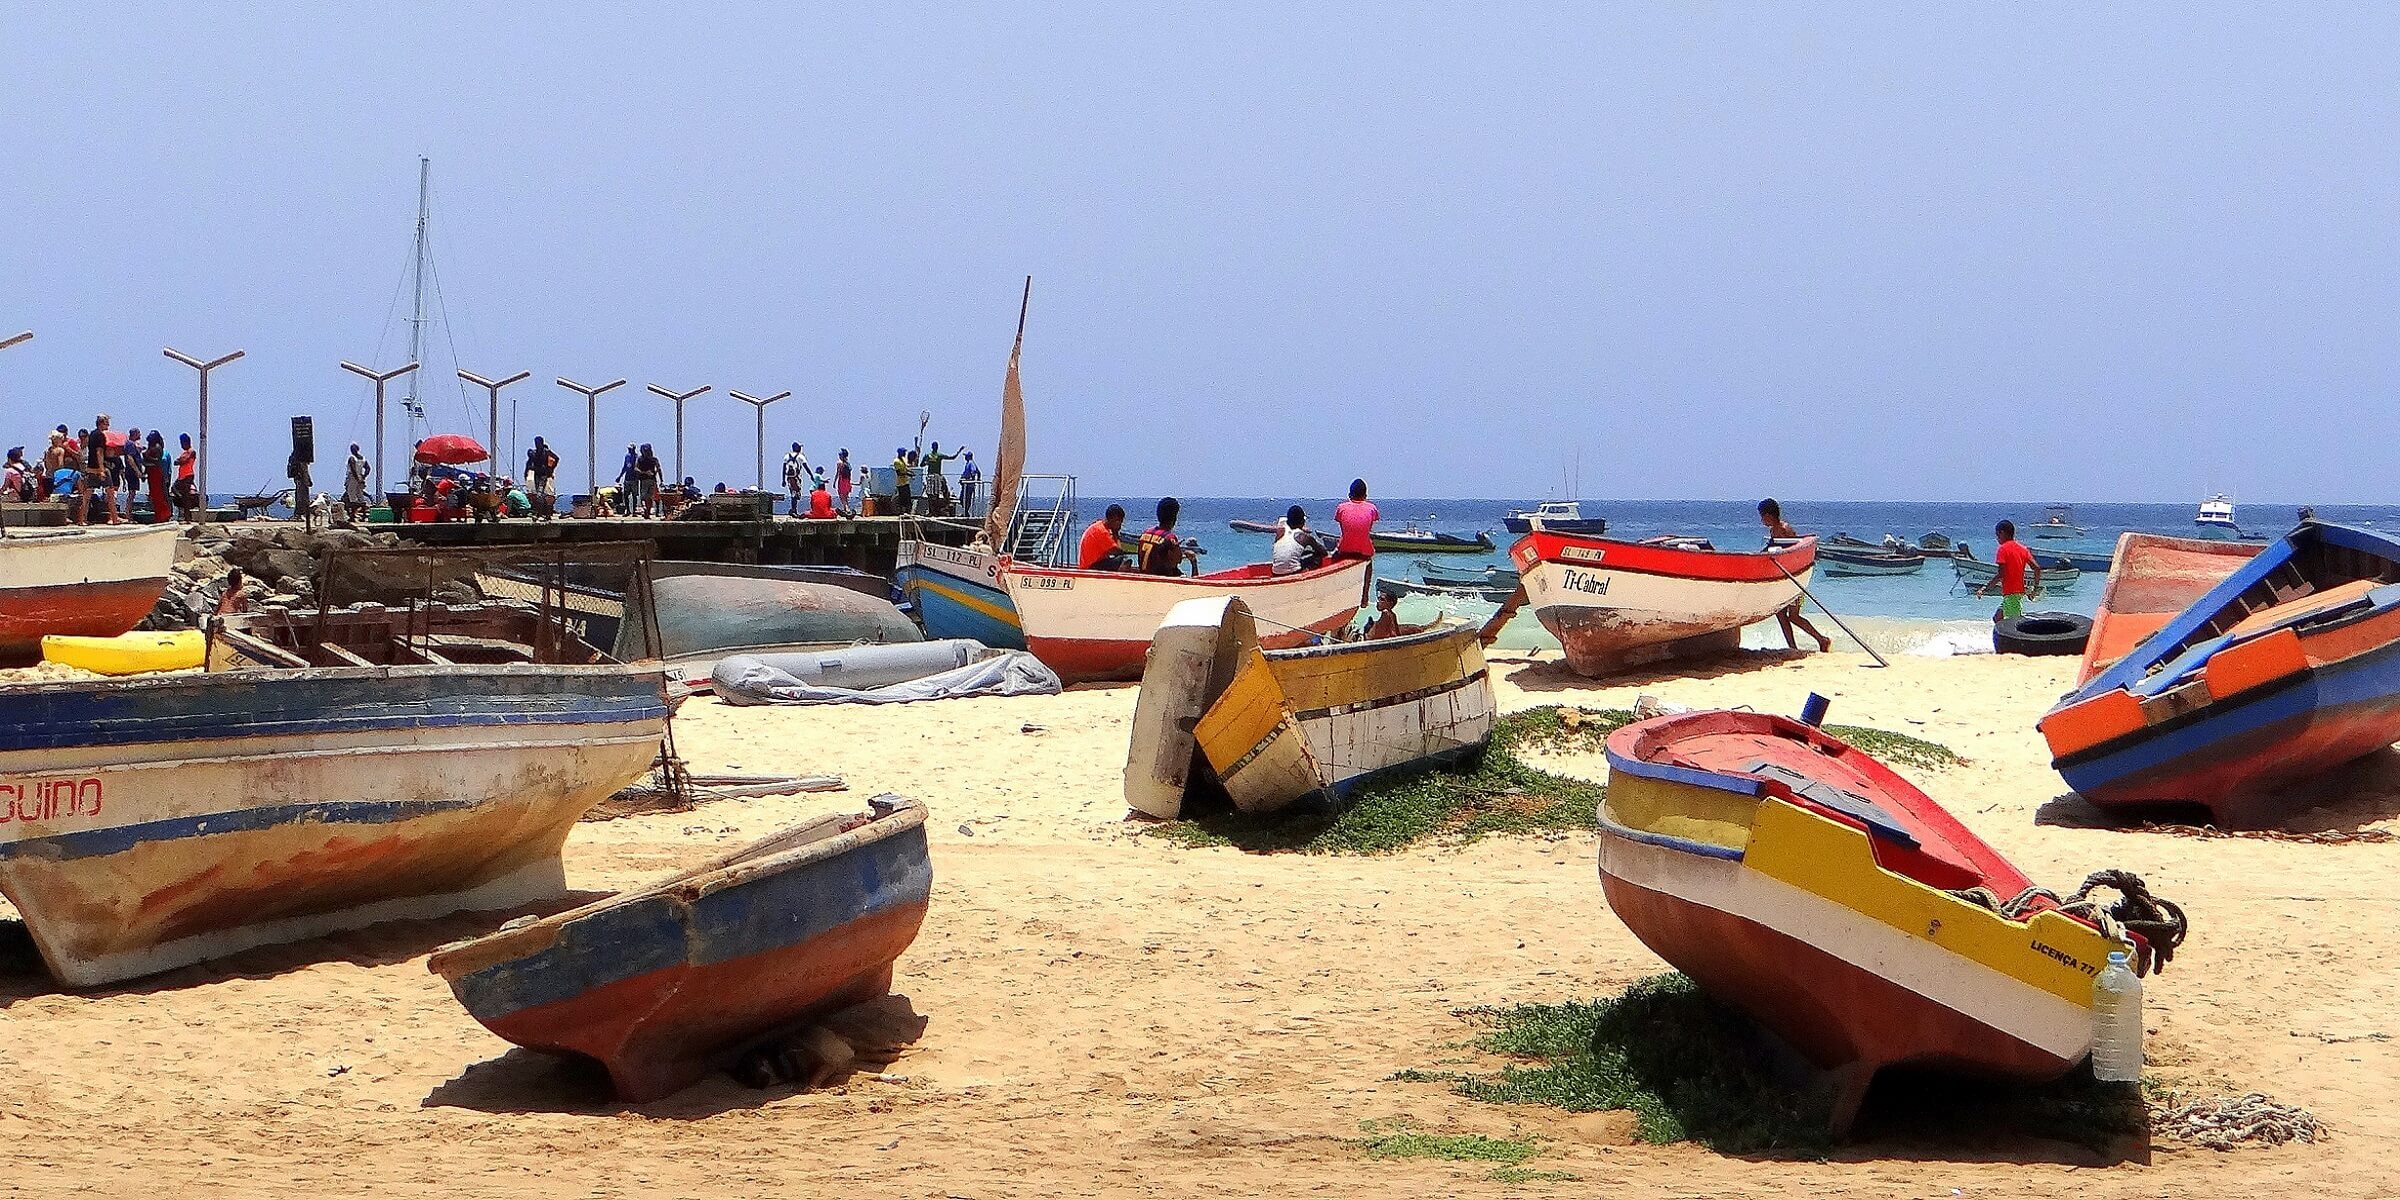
(451, 449)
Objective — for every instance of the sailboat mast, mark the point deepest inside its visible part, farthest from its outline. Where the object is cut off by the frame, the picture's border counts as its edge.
(416, 317)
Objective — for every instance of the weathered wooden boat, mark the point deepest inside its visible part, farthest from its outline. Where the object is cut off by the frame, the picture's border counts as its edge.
(1502, 578)
(1275, 728)
(2288, 667)
(1853, 561)
(2058, 575)
(1554, 516)
(1615, 605)
(1933, 544)
(666, 984)
(331, 769)
(1799, 880)
(2158, 577)
(1090, 625)
(95, 582)
(2058, 523)
(1410, 539)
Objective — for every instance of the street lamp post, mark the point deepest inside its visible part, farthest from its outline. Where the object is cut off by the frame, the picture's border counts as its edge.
(493, 387)
(656, 390)
(591, 429)
(382, 481)
(5, 343)
(200, 477)
(761, 406)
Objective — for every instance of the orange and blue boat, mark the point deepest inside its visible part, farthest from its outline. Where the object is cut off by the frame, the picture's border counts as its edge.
(666, 984)
(2288, 666)
(1794, 877)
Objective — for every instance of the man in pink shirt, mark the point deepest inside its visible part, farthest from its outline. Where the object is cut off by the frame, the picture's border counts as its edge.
(1357, 520)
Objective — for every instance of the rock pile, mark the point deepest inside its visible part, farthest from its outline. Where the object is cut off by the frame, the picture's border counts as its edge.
(279, 563)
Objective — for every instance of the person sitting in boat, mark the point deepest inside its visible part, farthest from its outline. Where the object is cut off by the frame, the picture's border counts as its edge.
(1356, 517)
(1297, 548)
(1387, 619)
(1102, 547)
(1770, 514)
(1163, 553)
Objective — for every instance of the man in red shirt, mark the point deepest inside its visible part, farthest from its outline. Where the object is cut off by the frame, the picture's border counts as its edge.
(1356, 517)
(2012, 557)
(1099, 550)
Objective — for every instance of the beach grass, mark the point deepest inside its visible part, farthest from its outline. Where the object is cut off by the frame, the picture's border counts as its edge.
(1691, 1069)
(1400, 1140)
(1497, 792)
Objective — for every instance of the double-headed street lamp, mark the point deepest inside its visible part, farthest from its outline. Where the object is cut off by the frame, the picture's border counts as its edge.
(200, 477)
(678, 398)
(493, 386)
(761, 406)
(382, 481)
(591, 429)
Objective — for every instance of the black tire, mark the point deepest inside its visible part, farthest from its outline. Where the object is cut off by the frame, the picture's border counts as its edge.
(2042, 633)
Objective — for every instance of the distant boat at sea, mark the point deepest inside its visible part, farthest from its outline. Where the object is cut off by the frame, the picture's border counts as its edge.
(2216, 516)
(1554, 516)
(1413, 539)
(2059, 524)
(1855, 562)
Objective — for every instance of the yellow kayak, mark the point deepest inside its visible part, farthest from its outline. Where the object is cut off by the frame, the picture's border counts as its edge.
(128, 653)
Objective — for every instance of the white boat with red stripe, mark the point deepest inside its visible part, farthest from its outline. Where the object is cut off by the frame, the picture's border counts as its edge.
(1615, 604)
(85, 582)
(1091, 625)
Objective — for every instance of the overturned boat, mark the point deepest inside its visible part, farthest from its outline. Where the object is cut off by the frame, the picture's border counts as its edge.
(2287, 667)
(331, 769)
(1273, 728)
(668, 983)
(1799, 880)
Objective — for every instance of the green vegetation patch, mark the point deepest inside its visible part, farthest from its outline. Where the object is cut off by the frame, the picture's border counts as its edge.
(1495, 792)
(1401, 1141)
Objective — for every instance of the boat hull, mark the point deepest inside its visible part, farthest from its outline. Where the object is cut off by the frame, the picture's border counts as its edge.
(664, 986)
(151, 824)
(1097, 625)
(1617, 605)
(80, 583)
(1579, 526)
(957, 594)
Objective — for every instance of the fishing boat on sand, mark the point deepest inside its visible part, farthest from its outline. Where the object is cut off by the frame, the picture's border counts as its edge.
(2288, 667)
(1799, 880)
(2161, 576)
(1554, 516)
(1413, 539)
(1275, 728)
(331, 769)
(1092, 625)
(1615, 604)
(95, 582)
(666, 984)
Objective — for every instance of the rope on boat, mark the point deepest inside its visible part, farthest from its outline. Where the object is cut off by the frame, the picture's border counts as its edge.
(2159, 922)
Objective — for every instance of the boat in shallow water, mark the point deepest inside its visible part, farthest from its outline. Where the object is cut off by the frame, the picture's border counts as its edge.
(666, 984)
(2288, 667)
(1413, 540)
(1799, 880)
(330, 770)
(1090, 625)
(96, 582)
(1275, 728)
(1501, 579)
(1615, 605)
(2058, 575)
(1852, 561)
(1554, 516)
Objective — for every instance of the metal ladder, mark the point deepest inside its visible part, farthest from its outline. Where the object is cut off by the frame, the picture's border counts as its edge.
(1044, 519)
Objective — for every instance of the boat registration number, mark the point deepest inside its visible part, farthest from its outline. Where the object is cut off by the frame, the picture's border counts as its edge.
(49, 799)
(1049, 583)
(1580, 554)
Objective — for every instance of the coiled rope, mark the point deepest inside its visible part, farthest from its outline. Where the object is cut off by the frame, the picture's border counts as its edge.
(2159, 922)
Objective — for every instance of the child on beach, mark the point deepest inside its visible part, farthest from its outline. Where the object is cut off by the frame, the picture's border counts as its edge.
(2012, 557)
(1770, 514)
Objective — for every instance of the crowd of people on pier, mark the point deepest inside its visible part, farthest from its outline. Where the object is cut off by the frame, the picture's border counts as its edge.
(105, 476)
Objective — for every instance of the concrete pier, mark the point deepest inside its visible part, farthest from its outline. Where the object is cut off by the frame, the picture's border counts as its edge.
(866, 543)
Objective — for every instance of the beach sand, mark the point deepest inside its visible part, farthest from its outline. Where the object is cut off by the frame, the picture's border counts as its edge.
(1113, 1015)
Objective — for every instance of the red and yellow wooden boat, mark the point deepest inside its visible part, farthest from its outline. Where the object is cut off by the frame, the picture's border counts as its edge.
(1799, 880)
(2288, 666)
(1616, 604)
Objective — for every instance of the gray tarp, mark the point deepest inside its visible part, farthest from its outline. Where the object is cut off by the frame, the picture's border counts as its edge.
(744, 679)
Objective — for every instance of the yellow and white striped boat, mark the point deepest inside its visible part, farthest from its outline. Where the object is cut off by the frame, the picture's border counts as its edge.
(1276, 727)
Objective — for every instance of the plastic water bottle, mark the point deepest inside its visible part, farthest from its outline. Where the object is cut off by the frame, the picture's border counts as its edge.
(2117, 1022)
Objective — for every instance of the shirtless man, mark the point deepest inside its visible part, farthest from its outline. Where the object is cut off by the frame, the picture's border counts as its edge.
(1770, 514)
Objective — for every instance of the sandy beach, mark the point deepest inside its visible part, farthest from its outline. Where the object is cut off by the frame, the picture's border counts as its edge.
(1111, 1014)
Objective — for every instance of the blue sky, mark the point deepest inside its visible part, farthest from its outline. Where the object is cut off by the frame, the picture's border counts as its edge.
(1828, 251)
